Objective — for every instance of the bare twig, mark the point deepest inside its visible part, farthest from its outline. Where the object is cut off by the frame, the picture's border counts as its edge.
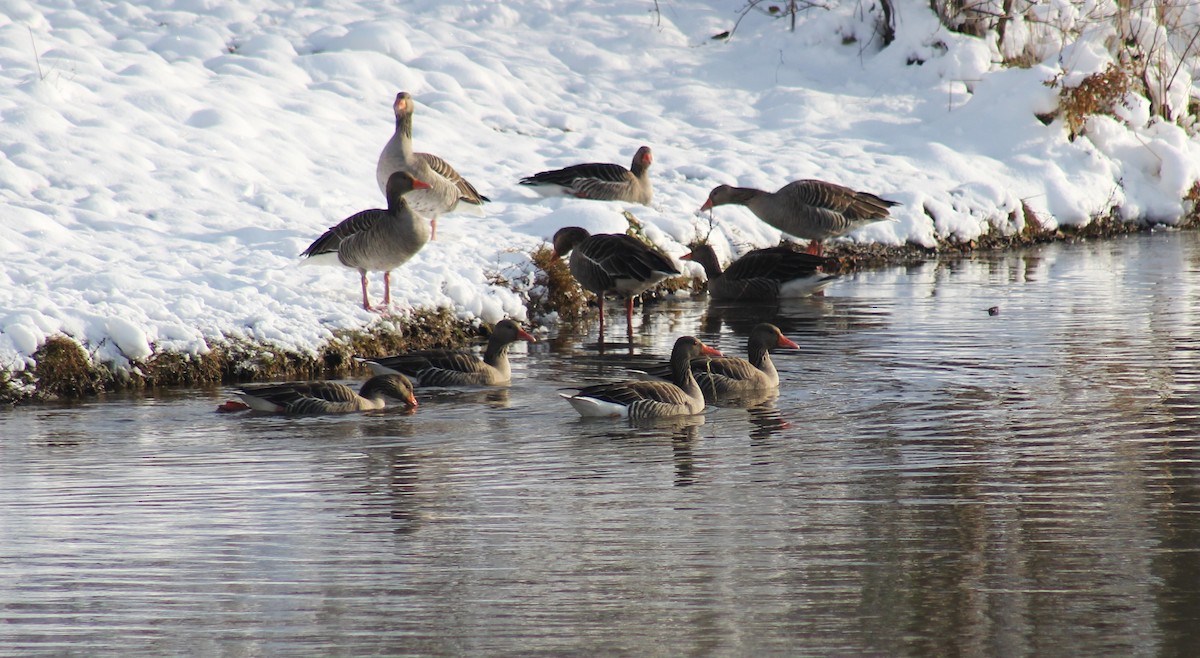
(36, 59)
(1182, 58)
(794, 7)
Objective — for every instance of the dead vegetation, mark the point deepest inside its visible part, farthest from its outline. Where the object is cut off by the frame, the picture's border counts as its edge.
(1096, 94)
(1154, 46)
(64, 370)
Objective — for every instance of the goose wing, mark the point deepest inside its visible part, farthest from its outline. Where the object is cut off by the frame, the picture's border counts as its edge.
(778, 263)
(620, 256)
(413, 363)
(289, 393)
(566, 177)
(466, 191)
(627, 393)
(823, 195)
(727, 367)
(352, 225)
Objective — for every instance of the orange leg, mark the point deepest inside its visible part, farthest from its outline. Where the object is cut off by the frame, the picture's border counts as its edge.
(387, 289)
(814, 247)
(366, 301)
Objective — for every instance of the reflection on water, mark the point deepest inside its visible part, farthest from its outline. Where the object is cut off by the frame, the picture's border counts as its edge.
(931, 479)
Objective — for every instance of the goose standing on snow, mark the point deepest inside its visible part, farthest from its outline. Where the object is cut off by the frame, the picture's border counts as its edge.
(447, 192)
(808, 209)
(612, 263)
(327, 397)
(601, 181)
(730, 375)
(375, 240)
(639, 400)
(763, 275)
(456, 367)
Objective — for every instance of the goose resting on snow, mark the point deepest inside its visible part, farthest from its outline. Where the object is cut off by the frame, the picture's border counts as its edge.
(640, 400)
(601, 181)
(447, 191)
(809, 209)
(375, 240)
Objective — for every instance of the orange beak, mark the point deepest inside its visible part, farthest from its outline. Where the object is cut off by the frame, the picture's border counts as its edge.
(421, 185)
(687, 256)
(707, 205)
(526, 336)
(785, 342)
(710, 351)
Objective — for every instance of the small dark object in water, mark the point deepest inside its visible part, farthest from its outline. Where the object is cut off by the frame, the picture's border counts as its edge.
(995, 310)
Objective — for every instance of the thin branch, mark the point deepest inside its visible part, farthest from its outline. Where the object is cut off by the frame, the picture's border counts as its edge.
(1179, 64)
(36, 59)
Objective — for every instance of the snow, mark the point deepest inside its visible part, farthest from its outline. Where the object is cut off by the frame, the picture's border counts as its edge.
(162, 164)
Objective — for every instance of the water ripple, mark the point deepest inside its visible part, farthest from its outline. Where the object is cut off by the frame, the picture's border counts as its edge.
(931, 479)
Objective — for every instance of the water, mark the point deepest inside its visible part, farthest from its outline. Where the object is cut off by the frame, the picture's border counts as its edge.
(931, 480)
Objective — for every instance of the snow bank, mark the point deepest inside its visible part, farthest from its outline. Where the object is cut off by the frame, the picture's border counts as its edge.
(162, 165)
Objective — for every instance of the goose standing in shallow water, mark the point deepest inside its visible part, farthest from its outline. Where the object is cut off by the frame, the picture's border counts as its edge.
(326, 397)
(640, 400)
(612, 263)
(763, 275)
(457, 367)
(600, 181)
(375, 240)
(730, 375)
(447, 192)
(809, 209)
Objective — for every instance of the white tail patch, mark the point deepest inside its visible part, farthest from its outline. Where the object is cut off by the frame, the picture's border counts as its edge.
(468, 208)
(377, 369)
(329, 259)
(806, 286)
(593, 408)
(548, 190)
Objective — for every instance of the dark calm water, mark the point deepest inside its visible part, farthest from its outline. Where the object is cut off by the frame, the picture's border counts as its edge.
(931, 480)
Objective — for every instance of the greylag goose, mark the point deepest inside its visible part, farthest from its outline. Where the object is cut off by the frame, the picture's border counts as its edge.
(327, 397)
(809, 209)
(598, 180)
(448, 191)
(612, 263)
(762, 275)
(456, 367)
(734, 376)
(376, 240)
(639, 400)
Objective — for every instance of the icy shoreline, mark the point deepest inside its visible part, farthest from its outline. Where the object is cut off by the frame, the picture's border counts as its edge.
(162, 165)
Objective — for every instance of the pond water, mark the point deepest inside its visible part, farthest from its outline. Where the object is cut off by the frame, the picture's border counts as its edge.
(932, 479)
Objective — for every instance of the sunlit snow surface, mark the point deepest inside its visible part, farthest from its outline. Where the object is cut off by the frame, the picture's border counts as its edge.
(162, 164)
